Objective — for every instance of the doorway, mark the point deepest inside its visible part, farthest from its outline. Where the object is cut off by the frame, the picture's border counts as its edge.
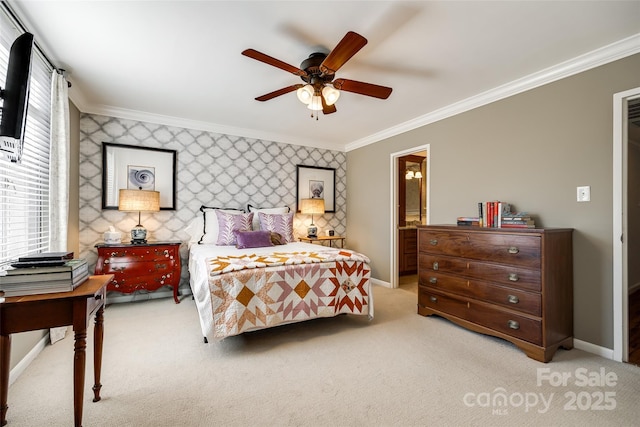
(405, 179)
(626, 220)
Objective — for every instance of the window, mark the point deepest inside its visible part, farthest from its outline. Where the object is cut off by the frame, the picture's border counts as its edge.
(24, 187)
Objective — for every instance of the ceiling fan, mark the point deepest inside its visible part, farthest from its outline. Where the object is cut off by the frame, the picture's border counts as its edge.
(321, 91)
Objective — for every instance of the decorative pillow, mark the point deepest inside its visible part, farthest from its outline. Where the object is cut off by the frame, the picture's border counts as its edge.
(252, 239)
(278, 223)
(228, 223)
(277, 239)
(256, 219)
(195, 229)
(209, 230)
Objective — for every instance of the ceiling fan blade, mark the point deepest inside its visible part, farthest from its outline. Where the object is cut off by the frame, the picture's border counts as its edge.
(259, 56)
(278, 92)
(350, 44)
(327, 109)
(362, 88)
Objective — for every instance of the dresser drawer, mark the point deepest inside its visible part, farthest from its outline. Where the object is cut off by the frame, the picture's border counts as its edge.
(505, 248)
(442, 302)
(504, 321)
(144, 276)
(509, 323)
(515, 299)
(513, 276)
(131, 255)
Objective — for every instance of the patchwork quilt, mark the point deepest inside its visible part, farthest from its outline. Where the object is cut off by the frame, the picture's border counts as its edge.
(254, 291)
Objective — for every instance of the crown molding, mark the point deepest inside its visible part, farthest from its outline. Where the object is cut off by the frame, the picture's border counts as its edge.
(141, 116)
(612, 52)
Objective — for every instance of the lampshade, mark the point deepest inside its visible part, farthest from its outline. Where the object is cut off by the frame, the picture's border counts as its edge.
(330, 94)
(139, 200)
(409, 175)
(305, 93)
(312, 206)
(315, 104)
(418, 175)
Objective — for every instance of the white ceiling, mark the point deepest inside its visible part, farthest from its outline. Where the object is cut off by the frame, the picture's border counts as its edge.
(179, 62)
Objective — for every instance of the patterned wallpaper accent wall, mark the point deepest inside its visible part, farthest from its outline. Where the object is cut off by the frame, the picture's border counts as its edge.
(213, 170)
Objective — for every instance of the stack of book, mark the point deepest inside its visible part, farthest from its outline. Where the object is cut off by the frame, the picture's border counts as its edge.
(498, 214)
(468, 220)
(31, 275)
(517, 220)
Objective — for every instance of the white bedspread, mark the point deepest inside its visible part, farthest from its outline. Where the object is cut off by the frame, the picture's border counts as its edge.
(200, 280)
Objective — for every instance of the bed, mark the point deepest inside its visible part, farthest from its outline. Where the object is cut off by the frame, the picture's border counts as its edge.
(246, 286)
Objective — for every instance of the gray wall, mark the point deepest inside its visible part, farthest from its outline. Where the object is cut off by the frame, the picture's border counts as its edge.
(532, 150)
(213, 170)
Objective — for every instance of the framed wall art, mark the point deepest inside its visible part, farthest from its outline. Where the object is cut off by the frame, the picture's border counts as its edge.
(315, 182)
(144, 168)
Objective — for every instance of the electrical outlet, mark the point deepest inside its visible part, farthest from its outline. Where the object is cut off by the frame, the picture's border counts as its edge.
(584, 193)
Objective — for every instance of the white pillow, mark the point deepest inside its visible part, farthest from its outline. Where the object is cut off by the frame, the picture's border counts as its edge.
(208, 224)
(256, 216)
(195, 229)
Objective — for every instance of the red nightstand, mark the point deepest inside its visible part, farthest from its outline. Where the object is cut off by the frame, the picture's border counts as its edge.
(148, 266)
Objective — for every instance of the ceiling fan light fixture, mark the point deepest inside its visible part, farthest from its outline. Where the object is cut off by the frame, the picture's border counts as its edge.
(315, 104)
(305, 94)
(330, 94)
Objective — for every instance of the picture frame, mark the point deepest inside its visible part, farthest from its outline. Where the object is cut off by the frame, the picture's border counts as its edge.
(130, 167)
(316, 182)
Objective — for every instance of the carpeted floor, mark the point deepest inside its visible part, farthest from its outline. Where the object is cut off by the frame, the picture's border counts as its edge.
(400, 369)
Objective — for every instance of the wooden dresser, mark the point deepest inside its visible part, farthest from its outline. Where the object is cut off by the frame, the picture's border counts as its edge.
(510, 283)
(146, 266)
(407, 251)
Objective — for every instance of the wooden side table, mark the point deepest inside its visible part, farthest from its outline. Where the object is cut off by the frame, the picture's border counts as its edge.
(43, 311)
(147, 266)
(323, 239)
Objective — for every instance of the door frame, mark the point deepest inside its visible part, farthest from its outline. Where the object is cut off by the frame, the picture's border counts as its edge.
(394, 277)
(620, 282)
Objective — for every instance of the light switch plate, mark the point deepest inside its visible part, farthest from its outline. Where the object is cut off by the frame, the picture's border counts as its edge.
(584, 194)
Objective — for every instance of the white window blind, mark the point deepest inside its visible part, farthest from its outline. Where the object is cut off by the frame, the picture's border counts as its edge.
(24, 186)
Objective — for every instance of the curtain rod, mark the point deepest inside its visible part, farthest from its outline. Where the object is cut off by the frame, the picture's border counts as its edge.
(39, 50)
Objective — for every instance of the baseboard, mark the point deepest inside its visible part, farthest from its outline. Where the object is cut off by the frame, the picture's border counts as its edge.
(607, 353)
(26, 360)
(380, 283)
(117, 298)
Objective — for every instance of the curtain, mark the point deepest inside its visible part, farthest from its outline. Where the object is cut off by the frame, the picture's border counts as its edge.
(59, 174)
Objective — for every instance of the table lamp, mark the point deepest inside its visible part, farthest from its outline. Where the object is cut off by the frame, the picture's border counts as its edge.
(138, 200)
(311, 207)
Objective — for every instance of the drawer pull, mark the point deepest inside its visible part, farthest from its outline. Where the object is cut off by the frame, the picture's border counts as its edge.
(435, 265)
(118, 268)
(513, 250)
(433, 280)
(433, 299)
(513, 324)
(433, 242)
(513, 299)
(513, 277)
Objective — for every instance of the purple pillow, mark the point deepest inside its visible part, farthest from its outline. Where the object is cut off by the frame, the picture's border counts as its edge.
(228, 223)
(278, 223)
(253, 239)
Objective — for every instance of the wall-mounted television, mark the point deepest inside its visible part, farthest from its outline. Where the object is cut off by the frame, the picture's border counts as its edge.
(15, 97)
